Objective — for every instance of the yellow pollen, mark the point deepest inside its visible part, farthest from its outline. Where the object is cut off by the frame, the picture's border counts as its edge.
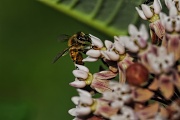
(122, 56)
(89, 79)
(154, 18)
(103, 48)
(93, 106)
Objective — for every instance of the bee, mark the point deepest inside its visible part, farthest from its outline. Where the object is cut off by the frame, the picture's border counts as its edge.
(77, 44)
(148, 2)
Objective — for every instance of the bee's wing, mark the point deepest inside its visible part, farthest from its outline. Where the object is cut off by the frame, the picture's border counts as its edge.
(60, 54)
(63, 38)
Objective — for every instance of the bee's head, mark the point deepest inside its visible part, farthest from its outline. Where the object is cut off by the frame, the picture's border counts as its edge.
(83, 37)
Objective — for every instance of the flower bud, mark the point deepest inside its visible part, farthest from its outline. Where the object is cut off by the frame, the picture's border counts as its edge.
(137, 74)
(96, 41)
(80, 74)
(147, 11)
(93, 53)
(78, 84)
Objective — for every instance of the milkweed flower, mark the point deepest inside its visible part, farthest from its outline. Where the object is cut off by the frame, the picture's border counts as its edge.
(174, 110)
(160, 60)
(140, 37)
(97, 81)
(101, 81)
(83, 104)
(95, 52)
(109, 53)
(173, 3)
(140, 78)
(171, 24)
(120, 94)
(135, 43)
(151, 12)
(167, 83)
(127, 113)
(82, 76)
(153, 111)
(116, 53)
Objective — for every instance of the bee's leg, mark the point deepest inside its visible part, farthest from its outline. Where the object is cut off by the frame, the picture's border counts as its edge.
(84, 51)
(79, 59)
(73, 54)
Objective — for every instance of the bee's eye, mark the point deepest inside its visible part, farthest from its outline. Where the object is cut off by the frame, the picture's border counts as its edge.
(80, 38)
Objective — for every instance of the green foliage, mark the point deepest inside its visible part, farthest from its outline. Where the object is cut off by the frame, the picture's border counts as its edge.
(31, 88)
(109, 16)
(14, 111)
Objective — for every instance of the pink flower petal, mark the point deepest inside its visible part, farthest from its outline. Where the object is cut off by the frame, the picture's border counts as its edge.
(142, 95)
(84, 93)
(82, 67)
(169, 3)
(148, 112)
(154, 85)
(103, 109)
(132, 30)
(108, 44)
(85, 97)
(119, 47)
(93, 53)
(78, 84)
(89, 59)
(173, 12)
(132, 46)
(122, 66)
(144, 32)
(157, 28)
(112, 56)
(163, 17)
(80, 74)
(100, 85)
(141, 14)
(169, 27)
(117, 104)
(177, 27)
(72, 112)
(83, 111)
(96, 41)
(104, 75)
(75, 100)
(174, 45)
(157, 6)
(166, 86)
(147, 11)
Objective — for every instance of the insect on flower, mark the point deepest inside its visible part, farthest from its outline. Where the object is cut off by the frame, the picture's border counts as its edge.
(77, 44)
(148, 2)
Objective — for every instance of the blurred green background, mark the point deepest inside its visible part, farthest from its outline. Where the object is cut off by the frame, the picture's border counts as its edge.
(31, 87)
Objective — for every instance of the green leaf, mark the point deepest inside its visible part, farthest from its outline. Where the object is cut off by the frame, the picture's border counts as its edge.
(109, 16)
(13, 111)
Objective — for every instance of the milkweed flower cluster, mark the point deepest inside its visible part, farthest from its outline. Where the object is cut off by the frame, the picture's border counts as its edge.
(142, 79)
